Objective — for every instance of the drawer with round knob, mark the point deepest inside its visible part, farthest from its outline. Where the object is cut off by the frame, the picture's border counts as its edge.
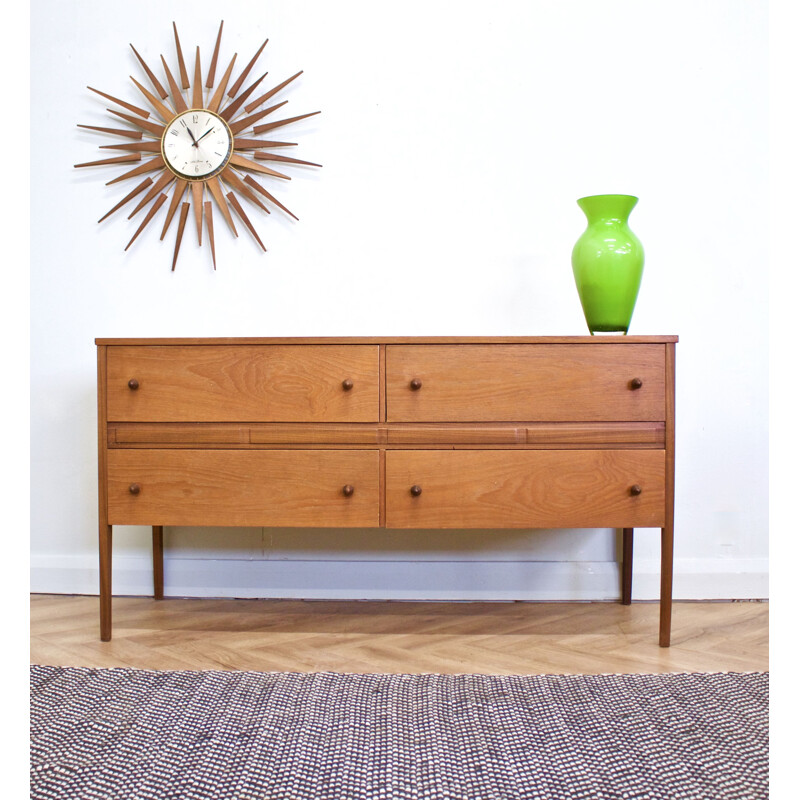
(525, 489)
(243, 383)
(314, 488)
(553, 383)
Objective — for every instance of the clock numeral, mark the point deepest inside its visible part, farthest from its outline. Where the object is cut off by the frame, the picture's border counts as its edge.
(174, 133)
(194, 118)
(183, 122)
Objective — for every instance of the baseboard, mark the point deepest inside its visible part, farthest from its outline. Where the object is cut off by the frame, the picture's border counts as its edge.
(694, 579)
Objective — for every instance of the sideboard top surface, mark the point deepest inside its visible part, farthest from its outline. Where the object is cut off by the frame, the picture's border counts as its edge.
(262, 340)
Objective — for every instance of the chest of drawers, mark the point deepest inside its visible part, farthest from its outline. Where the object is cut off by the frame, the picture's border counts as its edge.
(462, 432)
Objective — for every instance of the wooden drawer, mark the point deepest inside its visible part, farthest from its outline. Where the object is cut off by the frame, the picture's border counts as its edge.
(543, 383)
(525, 489)
(243, 487)
(243, 383)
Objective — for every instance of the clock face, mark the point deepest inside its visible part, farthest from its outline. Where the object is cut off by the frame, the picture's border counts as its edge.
(197, 144)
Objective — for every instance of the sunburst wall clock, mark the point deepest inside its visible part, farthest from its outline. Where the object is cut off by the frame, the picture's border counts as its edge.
(198, 142)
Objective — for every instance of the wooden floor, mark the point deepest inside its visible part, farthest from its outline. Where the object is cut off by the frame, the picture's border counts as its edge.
(399, 637)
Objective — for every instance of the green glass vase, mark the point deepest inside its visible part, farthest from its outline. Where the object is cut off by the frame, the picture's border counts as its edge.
(607, 262)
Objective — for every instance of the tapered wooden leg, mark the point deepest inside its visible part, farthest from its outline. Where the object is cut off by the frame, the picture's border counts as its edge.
(158, 562)
(666, 586)
(627, 565)
(667, 531)
(105, 583)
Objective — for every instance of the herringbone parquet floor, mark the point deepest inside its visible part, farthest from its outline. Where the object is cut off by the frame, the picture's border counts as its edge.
(410, 637)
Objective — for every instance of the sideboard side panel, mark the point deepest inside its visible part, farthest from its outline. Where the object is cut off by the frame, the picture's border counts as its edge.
(668, 531)
(104, 528)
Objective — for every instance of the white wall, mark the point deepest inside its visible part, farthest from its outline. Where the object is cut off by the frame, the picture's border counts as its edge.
(455, 139)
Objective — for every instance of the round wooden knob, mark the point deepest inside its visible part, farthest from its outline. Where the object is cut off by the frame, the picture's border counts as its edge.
(133, 384)
(636, 383)
(348, 490)
(134, 488)
(347, 385)
(636, 489)
(416, 490)
(415, 385)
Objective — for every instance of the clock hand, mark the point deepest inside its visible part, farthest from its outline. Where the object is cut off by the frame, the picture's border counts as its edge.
(194, 142)
(205, 134)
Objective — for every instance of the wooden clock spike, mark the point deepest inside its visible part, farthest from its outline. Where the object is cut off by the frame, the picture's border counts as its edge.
(232, 107)
(259, 129)
(163, 111)
(159, 186)
(136, 110)
(151, 127)
(177, 95)
(134, 147)
(209, 215)
(216, 192)
(258, 144)
(115, 160)
(283, 159)
(140, 188)
(179, 237)
(114, 131)
(245, 122)
(181, 63)
(270, 93)
(212, 70)
(148, 166)
(246, 71)
(162, 92)
(240, 211)
(259, 188)
(197, 203)
(177, 194)
(230, 177)
(246, 163)
(197, 90)
(150, 214)
(216, 100)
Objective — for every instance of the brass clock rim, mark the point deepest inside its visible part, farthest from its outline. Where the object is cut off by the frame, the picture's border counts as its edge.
(208, 175)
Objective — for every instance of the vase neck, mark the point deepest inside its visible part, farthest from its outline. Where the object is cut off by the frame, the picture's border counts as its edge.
(608, 207)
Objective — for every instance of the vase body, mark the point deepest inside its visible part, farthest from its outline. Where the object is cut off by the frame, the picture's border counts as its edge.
(607, 262)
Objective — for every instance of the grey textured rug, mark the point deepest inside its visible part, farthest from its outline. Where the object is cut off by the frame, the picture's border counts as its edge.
(119, 734)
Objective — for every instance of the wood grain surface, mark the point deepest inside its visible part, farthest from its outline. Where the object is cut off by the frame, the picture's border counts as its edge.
(524, 489)
(280, 383)
(310, 340)
(545, 435)
(501, 638)
(557, 383)
(243, 487)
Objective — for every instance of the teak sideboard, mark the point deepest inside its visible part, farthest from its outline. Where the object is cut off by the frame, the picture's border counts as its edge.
(433, 432)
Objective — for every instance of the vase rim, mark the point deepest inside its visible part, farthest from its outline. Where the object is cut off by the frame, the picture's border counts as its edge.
(593, 196)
